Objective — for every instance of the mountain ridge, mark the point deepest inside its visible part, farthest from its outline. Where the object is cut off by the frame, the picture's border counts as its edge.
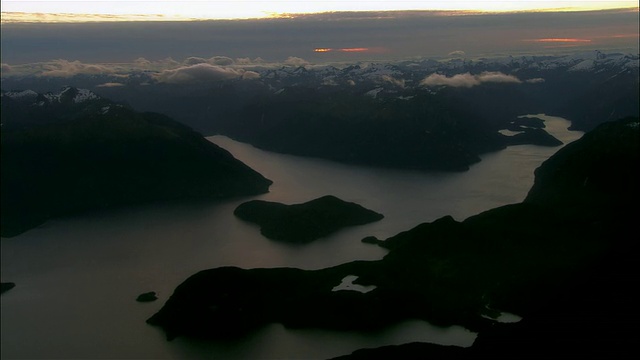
(424, 114)
(80, 157)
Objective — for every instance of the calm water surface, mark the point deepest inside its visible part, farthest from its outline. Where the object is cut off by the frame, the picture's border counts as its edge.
(77, 278)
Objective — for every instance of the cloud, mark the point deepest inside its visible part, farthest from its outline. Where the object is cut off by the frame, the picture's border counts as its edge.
(221, 60)
(404, 36)
(468, 80)
(459, 80)
(243, 61)
(497, 77)
(248, 61)
(110, 84)
(169, 62)
(6, 68)
(392, 80)
(142, 62)
(248, 75)
(535, 81)
(296, 61)
(65, 68)
(329, 81)
(202, 72)
(457, 54)
(194, 60)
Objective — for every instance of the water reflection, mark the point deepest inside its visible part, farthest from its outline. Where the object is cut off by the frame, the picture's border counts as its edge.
(77, 278)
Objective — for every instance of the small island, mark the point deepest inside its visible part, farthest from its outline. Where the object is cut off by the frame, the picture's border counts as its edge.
(147, 297)
(303, 223)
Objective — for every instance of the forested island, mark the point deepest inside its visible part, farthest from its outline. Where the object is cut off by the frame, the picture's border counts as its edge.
(302, 223)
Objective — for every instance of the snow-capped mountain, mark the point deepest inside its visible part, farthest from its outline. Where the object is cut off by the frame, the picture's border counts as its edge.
(22, 95)
(460, 96)
(28, 107)
(592, 61)
(67, 94)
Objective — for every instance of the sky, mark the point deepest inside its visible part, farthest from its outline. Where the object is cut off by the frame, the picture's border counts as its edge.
(91, 33)
(242, 9)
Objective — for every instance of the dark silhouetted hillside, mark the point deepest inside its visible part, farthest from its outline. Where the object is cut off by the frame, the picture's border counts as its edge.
(568, 274)
(86, 158)
(304, 222)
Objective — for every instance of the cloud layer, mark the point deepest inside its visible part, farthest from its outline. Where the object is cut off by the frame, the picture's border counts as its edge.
(203, 72)
(400, 34)
(65, 68)
(468, 80)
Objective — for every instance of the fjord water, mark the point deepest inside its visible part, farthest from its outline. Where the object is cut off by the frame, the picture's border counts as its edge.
(77, 278)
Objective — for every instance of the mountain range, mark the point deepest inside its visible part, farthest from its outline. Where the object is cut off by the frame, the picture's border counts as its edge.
(420, 114)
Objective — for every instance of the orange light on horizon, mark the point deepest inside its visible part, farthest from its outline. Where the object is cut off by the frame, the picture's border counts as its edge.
(560, 40)
(353, 49)
(620, 36)
(561, 46)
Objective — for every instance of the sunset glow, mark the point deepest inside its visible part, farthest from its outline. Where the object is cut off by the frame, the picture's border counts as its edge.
(173, 10)
(622, 36)
(358, 49)
(354, 49)
(561, 40)
(346, 34)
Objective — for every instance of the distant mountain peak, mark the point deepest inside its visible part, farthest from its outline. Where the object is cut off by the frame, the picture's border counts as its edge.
(28, 107)
(66, 95)
(20, 94)
(70, 94)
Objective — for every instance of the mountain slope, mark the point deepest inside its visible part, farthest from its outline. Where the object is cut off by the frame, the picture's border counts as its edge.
(83, 159)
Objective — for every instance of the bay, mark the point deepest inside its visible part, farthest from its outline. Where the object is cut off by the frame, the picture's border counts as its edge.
(77, 278)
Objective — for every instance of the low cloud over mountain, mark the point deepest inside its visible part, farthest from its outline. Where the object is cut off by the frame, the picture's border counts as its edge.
(468, 80)
(110, 84)
(296, 61)
(203, 72)
(65, 68)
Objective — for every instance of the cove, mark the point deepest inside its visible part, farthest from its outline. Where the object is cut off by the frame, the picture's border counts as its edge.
(77, 278)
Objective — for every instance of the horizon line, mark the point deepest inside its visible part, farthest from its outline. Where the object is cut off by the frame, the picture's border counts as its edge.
(17, 17)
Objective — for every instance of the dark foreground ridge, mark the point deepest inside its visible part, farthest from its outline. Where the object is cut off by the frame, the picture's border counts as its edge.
(6, 286)
(304, 222)
(566, 269)
(67, 154)
(593, 312)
